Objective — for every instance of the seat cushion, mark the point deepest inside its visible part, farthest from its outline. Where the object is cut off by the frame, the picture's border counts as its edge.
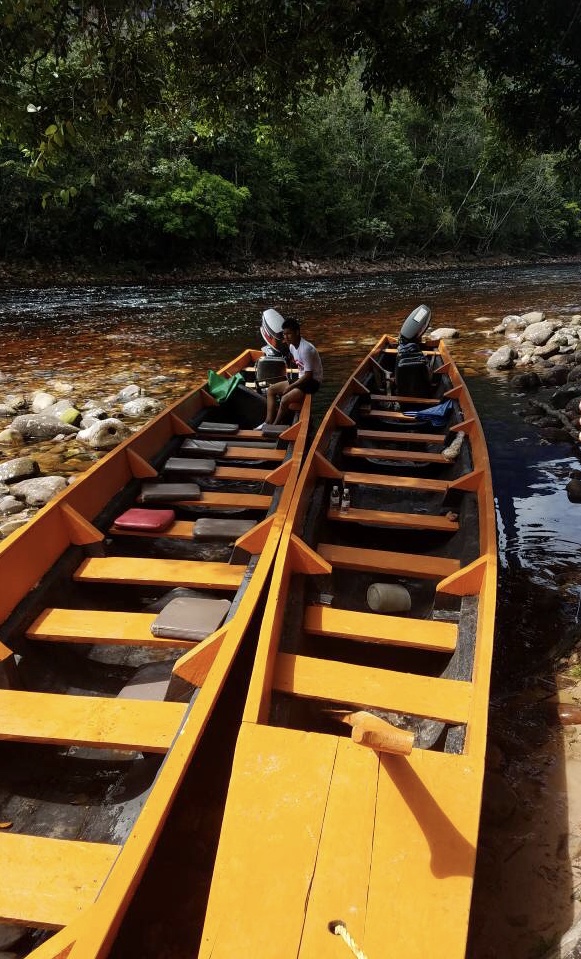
(251, 444)
(192, 467)
(273, 430)
(194, 619)
(225, 530)
(150, 681)
(166, 492)
(192, 447)
(209, 427)
(147, 520)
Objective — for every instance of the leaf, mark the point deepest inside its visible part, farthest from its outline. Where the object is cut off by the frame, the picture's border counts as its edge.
(50, 130)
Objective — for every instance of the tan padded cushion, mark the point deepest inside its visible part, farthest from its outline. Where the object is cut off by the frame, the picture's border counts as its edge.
(192, 467)
(167, 492)
(149, 682)
(209, 427)
(203, 447)
(187, 618)
(226, 530)
(273, 430)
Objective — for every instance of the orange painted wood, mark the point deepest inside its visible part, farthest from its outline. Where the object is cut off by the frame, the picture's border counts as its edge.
(447, 700)
(417, 565)
(159, 572)
(99, 626)
(48, 882)
(253, 453)
(261, 889)
(388, 414)
(382, 629)
(180, 529)
(417, 456)
(424, 352)
(89, 721)
(396, 398)
(426, 828)
(369, 730)
(252, 474)
(395, 437)
(396, 482)
(219, 500)
(377, 517)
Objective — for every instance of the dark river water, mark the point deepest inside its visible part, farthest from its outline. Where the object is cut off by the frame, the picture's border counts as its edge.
(166, 337)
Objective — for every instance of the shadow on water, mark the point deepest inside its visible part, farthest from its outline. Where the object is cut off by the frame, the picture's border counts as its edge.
(526, 886)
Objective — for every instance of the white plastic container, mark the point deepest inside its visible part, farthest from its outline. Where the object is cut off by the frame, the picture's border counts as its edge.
(388, 598)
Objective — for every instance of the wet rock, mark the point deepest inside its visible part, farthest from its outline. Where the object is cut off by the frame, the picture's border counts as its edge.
(38, 491)
(574, 374)
(11, 525)
(41, 401)
(144, 406)
(104, 434)
(40, 426)
(527, 382)
(555, 434)
(533, 316)
(24, 467)
(60, 387)
(11, 437)
(555, 377)
(562, 397)
(508, 320)
(15, 400)
(71, 416)
(573, 490)
(502, 359)
(130, 392)
(10, 505)
(539, 333)
(445, 333)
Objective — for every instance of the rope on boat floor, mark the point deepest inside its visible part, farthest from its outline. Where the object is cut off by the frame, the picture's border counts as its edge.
(338, 928)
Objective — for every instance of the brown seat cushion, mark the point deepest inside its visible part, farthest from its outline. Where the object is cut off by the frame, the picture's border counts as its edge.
(208, 427)
(203, 447)
(146, 520)
(226, 530)
(187, 618)
(192, 467)
(167, 492)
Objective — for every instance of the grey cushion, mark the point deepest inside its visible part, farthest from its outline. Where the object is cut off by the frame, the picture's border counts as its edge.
(274, 430)
(167, 492)
(203, 447)
(208, 427)
(226, 530)
(192, 467)
(149, 682)
(193, 619)
(250, 444)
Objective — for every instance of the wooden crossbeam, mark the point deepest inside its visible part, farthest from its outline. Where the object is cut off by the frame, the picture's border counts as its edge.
(382, 561)
(396, 482)
(381, 629)
(374, 517)
(159, 572)
(393, 436)
(377, 453)
(55, 625)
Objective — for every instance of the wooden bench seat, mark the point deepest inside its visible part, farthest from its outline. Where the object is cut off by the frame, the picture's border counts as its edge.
(137, 570)
(413, 400)
(396, 482)
(382, 561)
(376, 453)
(253, 453)
(216, 499)
(88, 721)
(179, 529)
(378, 628)
(47, 883)
(375, 517)
(99, 626)
(446, 700)
(393, 436)
(252, 474)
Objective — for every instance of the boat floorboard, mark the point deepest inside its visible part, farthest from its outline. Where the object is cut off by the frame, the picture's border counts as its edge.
(396, 482)
(378, 453)
(381, 561)
(376, 517)
(389, 436)
(378, 628)
(56, 625)
(160, 572)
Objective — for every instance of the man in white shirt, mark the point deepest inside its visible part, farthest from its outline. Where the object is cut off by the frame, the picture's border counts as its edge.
(310, 377)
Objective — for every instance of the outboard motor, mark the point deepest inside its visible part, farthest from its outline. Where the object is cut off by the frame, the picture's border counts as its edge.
(412, 377)
(271, 368)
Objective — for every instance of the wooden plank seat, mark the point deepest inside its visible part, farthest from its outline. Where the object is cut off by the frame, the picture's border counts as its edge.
(382, 629)
(223, 429)
(413, 400)
(393, 351)
(254, 453)
(218, 449)
(206, 529)
(447, 700)
(396, 482)
(417, 566)
(179, 529)
(375, 517)
(47, 883)
(55, 625)
(239, 435)
(137, 570)
(88, 721)
(387, 415)
(216, 499)
(415, 456)
(393, 436)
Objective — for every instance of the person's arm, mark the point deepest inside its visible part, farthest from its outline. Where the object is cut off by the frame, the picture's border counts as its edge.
(303, 378)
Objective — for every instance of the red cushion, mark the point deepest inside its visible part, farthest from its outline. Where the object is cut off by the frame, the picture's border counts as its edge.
(150, 520)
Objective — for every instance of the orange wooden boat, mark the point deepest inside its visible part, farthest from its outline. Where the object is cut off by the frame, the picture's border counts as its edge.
(111, 682)
(352, 815)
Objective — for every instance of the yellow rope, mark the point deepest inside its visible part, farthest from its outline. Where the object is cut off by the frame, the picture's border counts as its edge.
(338, 928)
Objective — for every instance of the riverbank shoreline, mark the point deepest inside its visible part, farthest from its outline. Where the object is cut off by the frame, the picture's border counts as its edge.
(33, 272)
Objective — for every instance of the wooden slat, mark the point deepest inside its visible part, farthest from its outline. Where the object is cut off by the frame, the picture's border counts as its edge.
(180, 529)
(159, 572)
(375, 517)
(377, 628)
(446, 700)
(48, 882)
(416, 456)
(413, 400)
(279, 787)
(99, 626)
(388, 414)
(216, 499)
(426, 828)
(246, 474)
(229, 437)
(252, 453)
(89, 721)
(393, 436)
(396, 482)
(382, 561)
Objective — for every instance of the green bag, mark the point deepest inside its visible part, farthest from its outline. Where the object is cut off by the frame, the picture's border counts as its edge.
(220, 387)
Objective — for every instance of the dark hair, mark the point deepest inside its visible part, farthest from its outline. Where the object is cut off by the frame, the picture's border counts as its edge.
(293, 325)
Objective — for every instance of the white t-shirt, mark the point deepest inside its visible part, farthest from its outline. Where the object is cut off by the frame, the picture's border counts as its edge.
(307, 359)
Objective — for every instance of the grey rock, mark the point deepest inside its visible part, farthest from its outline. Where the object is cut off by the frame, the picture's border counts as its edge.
(573, 490)
(507, 320)
(10, 505)
(21, 468)
(38, 491)
(15, 400)
(130, 392)
(445, 333)
(534, 316)
(6, 411)
(41, 426)
(59, 386)
(104, 434)
(539, 333)
(12, 524)
(503, 359)
(11, 437)
(144, 406)
(526, 382)
(41, 401)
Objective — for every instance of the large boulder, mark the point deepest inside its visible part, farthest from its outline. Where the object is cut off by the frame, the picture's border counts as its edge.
(539, 333)
(533, 316)
(23, 467)
(41, 426)
(143, 406)
(38, 491)
(503, 359)
(41, 401)
(104, 434)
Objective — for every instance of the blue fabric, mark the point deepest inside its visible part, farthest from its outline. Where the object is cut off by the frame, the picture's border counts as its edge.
(436, 415)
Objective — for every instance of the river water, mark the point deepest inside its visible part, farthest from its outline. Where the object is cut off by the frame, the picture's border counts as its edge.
(165, 338)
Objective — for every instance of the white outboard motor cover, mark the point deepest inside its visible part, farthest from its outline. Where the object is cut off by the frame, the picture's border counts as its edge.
(271, 329)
